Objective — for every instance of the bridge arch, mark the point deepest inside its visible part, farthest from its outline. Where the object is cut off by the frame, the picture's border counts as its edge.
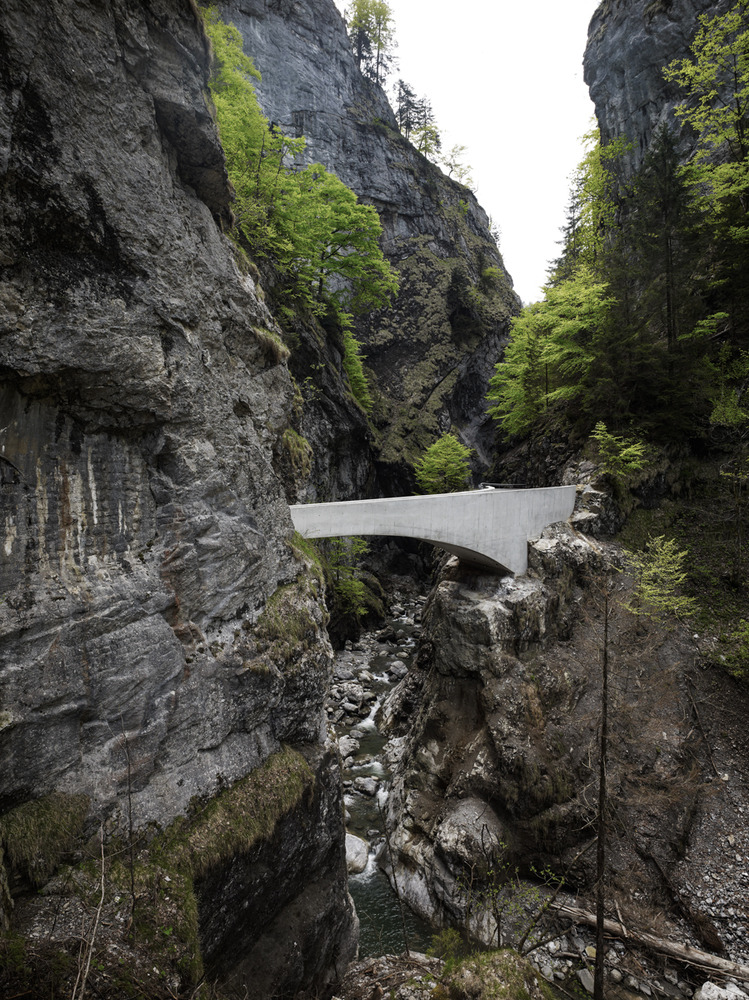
(490, 527)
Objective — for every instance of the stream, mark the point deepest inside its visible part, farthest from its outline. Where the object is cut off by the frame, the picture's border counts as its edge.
(363, 675)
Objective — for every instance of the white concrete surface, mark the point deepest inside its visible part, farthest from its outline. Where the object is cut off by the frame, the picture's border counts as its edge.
(488, 527)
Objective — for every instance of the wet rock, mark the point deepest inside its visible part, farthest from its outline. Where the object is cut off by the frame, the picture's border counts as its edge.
(398, 668)
(357, 854)
(348, 746)
(366, 785)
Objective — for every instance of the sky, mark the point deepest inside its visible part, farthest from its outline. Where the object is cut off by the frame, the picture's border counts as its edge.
(505, 80)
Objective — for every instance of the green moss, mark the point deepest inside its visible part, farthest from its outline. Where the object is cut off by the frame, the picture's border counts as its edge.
(38, 834)
(235, 820)
(229, 824)
(286, 629)
(493, 975)
(273, 347)
(299, 452)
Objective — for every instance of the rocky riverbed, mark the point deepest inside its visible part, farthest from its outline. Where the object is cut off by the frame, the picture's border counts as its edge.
(373, 679)
(364, 674)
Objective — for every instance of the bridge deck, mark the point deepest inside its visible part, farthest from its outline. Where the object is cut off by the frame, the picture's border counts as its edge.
(489, 527)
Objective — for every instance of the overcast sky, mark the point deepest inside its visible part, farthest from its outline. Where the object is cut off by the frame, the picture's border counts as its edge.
(505, 79)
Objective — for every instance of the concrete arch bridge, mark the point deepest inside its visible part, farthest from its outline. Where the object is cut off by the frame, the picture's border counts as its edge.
(490, 527)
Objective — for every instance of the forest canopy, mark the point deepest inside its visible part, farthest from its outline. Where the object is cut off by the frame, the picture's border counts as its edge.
(643, 324)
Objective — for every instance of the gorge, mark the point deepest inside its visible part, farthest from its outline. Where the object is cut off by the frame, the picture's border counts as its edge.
(171, 794)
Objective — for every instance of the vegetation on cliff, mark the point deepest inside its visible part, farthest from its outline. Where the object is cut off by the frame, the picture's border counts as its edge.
(444, 467)
(643, 327)
(322, 243)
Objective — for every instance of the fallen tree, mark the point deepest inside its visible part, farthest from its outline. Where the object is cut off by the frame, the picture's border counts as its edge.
(682, 952)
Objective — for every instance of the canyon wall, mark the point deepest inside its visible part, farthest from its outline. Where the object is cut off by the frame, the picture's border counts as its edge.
(432, 354)
(629, 44)
(144, 405)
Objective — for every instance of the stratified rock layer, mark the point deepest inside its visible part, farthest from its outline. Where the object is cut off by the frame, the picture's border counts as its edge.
(144, 527)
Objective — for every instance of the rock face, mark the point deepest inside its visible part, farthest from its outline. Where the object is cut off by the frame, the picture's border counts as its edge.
(629, 44)
(432, 355)
(498, 766)
(143, 405)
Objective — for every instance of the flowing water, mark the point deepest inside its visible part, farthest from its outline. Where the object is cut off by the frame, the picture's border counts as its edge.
(364, 674)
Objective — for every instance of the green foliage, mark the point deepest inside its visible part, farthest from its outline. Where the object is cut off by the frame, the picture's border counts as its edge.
(716, 81)
(591, 213)
(737, 659)
(299, 451)
(493, 975)
(372, 34)
(660, 578)
(730, 384)
(342, 559)
(447, 945)
(622, 335)
(444, 467)
(620, 457)
(551, 354)
(354, 368)
(38, 834)
(322, 241)
(455, 164)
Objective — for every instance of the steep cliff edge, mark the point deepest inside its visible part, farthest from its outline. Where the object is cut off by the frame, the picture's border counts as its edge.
(496, 753)
(629, 44)
(432, 355)
(144, 525)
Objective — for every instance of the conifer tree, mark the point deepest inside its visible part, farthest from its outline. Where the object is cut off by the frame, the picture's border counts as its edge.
(372, 34)
(405, 107)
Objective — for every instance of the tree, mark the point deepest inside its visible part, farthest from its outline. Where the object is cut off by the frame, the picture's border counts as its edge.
(716, 79)
(405, 107)
(453, 161)
(716, 82)
(592, 210)
(426, 135)
(372, 34)
(327, 232)
(659, 226)
(322, 240)
(444, 467)
(551, 356)
(620, 457)
(659, 576)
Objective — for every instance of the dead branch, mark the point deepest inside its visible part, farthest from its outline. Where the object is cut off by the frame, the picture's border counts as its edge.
(682, 952)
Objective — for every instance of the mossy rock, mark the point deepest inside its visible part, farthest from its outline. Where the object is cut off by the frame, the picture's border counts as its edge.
(37, 835)
(493, 975)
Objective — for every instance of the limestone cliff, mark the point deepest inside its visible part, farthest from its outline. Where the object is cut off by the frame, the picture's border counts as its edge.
(496, 754)
(430, 356)
(144, 526)
(629, 43)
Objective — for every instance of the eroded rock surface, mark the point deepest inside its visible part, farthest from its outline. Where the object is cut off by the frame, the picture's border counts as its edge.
(144, 526)
(497, 743)
(629, 44)
(432, 355)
